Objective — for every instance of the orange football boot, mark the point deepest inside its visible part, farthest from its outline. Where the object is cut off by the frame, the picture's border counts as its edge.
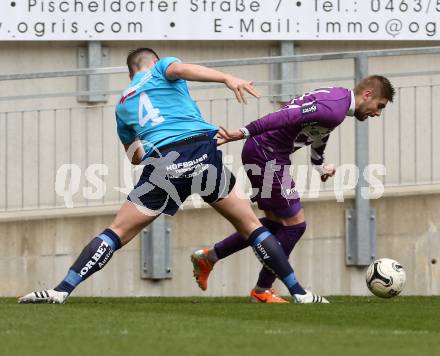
(202, 267)
(268, 296)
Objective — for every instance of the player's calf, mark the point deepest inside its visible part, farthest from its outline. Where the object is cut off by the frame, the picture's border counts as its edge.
(287, 236)
(92, 258)
(270, 253)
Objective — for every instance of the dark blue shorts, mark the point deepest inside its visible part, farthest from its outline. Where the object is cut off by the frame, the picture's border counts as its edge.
(177, 171)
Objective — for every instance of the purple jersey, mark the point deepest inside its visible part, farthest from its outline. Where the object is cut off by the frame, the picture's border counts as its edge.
(305, 120)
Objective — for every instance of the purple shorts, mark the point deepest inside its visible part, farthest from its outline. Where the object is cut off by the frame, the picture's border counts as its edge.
(274, 188)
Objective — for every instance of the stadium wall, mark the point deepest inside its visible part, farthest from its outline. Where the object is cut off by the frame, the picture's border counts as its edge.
(35, 143)
(38, 245)
(36, 253)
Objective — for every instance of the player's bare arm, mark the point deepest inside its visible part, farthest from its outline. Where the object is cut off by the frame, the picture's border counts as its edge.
(225, 135)
(135, 152)
(194, 72)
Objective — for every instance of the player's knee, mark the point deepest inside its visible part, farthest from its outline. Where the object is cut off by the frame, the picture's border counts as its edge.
(301, 227)
(248, 225)
(297, 219)
(251, 224)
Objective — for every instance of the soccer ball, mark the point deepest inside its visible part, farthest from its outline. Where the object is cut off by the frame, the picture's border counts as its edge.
(385, 278)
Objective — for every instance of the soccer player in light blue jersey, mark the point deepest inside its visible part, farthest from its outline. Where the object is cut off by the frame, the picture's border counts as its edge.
(161, 128)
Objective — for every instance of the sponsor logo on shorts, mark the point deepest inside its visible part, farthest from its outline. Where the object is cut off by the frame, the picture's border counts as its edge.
(187, 169)
(187, 164)
(291, 191)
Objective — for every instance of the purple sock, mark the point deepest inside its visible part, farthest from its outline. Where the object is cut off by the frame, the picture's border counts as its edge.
(235, 242)
(288, 236)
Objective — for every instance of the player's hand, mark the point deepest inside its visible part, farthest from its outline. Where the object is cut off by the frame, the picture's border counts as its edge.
(239, 87)
(327, 170)
(225, 136)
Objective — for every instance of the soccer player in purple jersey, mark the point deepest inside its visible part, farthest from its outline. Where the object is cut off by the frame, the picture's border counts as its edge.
(306, 120)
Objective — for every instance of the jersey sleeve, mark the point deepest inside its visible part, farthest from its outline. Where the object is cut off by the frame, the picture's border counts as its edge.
(291, 116)
(317, 149)
(164, 63)
(126, 133)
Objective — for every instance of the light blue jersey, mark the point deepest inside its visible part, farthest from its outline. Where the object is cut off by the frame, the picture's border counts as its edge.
(159, 111)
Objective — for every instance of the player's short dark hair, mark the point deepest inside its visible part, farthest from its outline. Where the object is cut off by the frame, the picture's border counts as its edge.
(136, 57)
(382, 87)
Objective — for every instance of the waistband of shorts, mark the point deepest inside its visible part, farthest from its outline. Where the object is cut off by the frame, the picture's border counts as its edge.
(185, 141)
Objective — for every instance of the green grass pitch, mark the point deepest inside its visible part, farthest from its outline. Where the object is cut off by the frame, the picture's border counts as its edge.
(221, 326)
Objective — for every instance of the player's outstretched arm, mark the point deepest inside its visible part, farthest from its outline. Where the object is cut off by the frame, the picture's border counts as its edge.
(194, 72)
(225, 136)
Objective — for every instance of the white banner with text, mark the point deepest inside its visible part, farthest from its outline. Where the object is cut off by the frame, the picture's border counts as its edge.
(219, 20)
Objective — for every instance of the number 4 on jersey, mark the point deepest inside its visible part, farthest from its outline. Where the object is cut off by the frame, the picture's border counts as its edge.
(147, 112)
